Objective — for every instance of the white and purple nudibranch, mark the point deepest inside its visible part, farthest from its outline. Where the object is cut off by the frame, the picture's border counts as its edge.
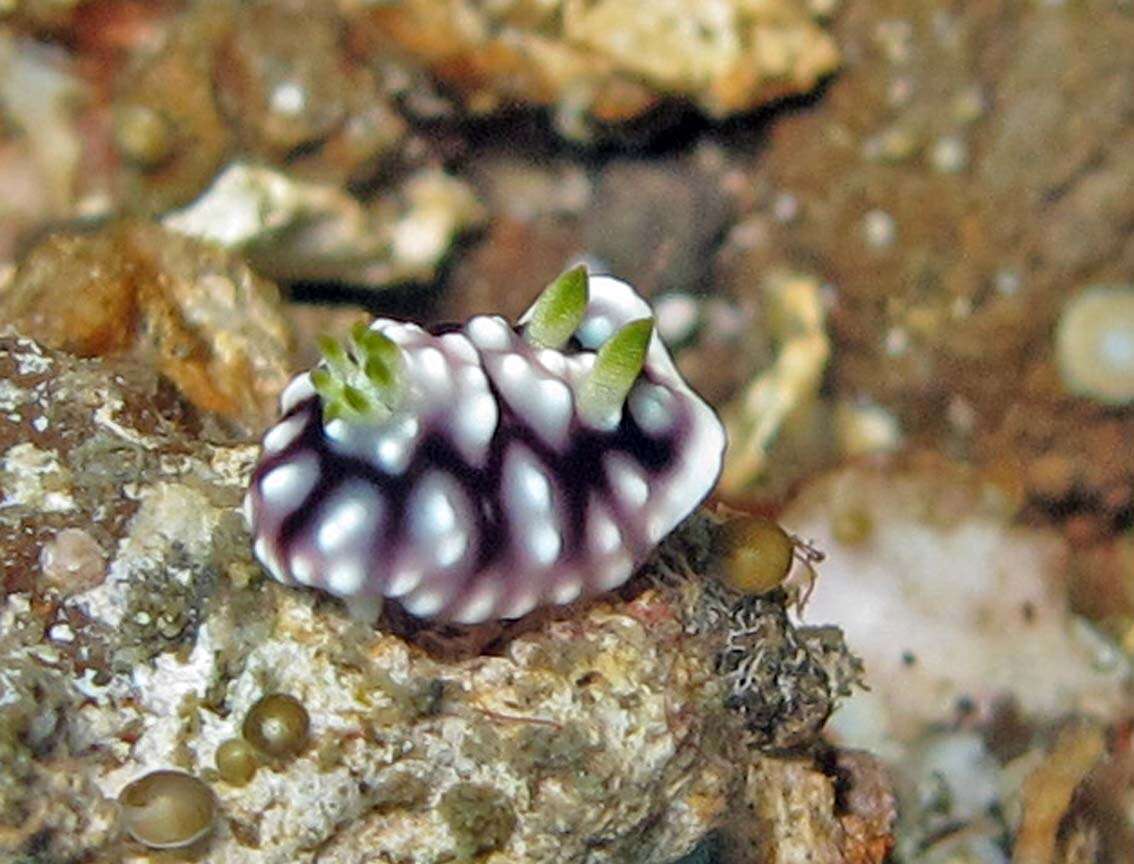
(476, 472)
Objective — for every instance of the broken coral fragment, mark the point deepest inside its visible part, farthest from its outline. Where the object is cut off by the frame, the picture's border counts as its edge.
(473, 476)
(1047, 793)
(301, 230)
(612, 60)
(797, 319)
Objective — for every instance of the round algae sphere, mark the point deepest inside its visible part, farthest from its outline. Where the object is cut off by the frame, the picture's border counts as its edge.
(755, 554)
(1095, 344)
(236, 761)
(167, 809)
(277, 725)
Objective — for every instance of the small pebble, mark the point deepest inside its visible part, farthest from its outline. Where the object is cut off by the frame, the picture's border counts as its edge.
(785, 207)
(72, 562)
(949, 155)
(897, 341)
(878, 229)
(969, 105)
(1007, 281)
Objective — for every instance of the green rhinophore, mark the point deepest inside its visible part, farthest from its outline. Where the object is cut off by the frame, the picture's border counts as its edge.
(559, 310)
(360, 381)
(617, 366)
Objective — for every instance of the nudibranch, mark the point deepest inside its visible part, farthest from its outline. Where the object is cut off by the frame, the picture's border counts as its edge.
(474, 472)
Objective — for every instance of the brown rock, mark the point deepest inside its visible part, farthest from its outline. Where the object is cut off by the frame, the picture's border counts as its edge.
(498, 275)
(273, 80)
(869, 806)
(609, 61)
(780, 792)
(847, 816)
(169, 132)
(537, 208)
(281, 76)
(313, 321)
(198, 315)
(288, 86)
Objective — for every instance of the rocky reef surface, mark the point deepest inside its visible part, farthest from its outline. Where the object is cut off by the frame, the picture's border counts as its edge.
(138, 634)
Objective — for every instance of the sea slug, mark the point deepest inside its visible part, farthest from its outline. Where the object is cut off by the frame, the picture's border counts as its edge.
(474, 472)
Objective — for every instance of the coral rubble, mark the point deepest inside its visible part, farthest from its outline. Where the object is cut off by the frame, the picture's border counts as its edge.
(603, 735)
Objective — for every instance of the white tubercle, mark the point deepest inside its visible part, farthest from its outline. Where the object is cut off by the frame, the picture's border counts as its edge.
(481, 601)
(612, 303)
(652, 407)
(346, 577)
(432, 373)
(266, 555)
(283, 433)
(394, 444)
(296, 391)
(425, 602)
(459, 346)
(615, 571)
(286, 486)
(405, 333)
(544, 402)
(549, 411)
(302, 568)
(666, 511)
(348, 518)
(489, 332)
(603, 535)
(439, 518)
(526, 483)
(520, 602)
(553, 361)
(567, 589)
(540, 541)
(450, 548)
(432, 507)
(407, 575)
(474, 424)
(627, 481)
(595, 330)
